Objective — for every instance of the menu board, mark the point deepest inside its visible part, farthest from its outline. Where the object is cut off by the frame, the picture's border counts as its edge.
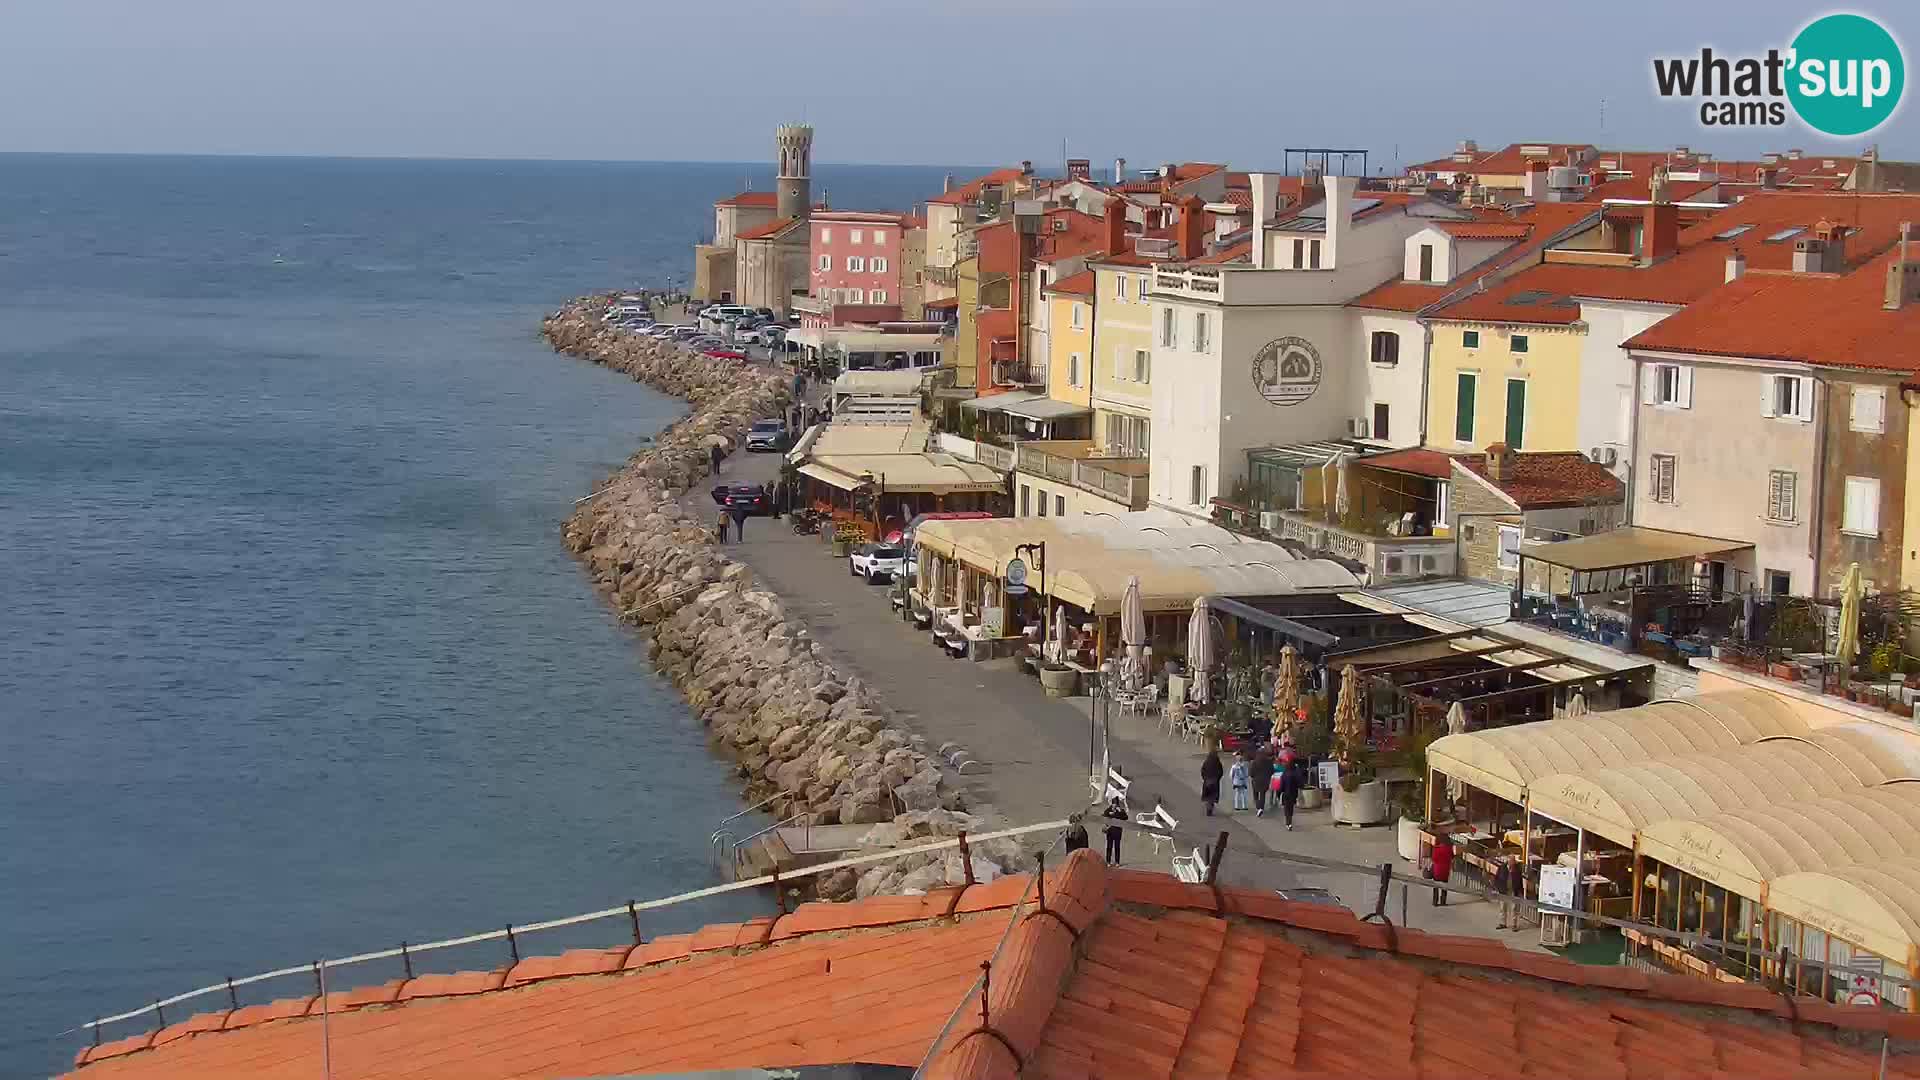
(1556, 885)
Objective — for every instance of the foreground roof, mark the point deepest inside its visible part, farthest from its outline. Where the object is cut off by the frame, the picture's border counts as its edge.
(1125, 973)
(1543, 480)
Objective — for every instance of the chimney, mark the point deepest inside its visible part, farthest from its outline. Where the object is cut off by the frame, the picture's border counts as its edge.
(1660, 232)
(1079, 169)
(1657, 185)
(1736, 265)
(1116, 222)
(1536, 189)
(1903, 277)
(1026, 168)
(1794, 154)
(1339, 205)
(1119, 170)
(1833, 247)
(1260, 187)
(1499, 462)
(1193, 229)
(1769, 178)
(1809, 255)
(1166, 171)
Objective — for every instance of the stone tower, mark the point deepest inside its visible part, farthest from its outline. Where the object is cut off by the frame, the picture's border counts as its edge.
(795, 184)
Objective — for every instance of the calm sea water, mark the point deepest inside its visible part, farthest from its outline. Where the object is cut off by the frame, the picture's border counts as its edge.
(292, 663)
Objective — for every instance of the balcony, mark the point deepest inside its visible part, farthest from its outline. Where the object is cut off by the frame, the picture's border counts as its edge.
(1201, 284)
(1386, 557)
(1077, 462)
(1015, 373)
(946, 277)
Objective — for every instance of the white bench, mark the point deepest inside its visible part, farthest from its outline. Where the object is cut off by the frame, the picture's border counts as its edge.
(1193, 868)
(1115, 788)
(1160, 826)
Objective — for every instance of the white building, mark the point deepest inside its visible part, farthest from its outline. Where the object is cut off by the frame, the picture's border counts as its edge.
(1266, 352)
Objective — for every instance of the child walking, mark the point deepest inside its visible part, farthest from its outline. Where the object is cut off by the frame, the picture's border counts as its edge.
(1239, 775)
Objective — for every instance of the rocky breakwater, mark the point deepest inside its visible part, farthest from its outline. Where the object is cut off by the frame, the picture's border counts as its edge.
(817, 742)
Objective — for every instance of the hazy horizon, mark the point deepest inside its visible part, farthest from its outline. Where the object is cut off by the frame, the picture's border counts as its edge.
(996, 82)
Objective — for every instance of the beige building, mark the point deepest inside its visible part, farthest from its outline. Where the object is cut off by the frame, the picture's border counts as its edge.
(1122, 392)
(715, 274)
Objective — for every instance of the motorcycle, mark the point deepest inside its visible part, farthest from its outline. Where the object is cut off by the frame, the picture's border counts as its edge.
(807, 522)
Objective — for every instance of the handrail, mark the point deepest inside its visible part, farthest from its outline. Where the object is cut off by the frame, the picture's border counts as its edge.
(734, 817)
(623, 911)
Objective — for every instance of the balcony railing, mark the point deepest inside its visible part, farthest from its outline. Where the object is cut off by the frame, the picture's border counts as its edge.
(1118, 486)
(1191, 281)
(1105, 477)
(1042, 463)
(946, 277)
(1387, 558)
(994, 457)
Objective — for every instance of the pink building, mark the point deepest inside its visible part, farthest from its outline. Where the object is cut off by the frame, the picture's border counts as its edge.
(857, 258)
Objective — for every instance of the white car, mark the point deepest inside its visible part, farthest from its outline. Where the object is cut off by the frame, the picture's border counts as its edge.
(877, 562)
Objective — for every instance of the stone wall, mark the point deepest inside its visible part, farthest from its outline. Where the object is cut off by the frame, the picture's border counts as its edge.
(767, 693)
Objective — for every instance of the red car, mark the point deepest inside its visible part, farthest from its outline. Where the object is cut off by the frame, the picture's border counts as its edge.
(726, 354)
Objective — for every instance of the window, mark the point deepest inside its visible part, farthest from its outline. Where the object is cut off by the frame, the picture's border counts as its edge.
(1142, 366)
(1060, 506)
(1026, 499)
(1516, 413)
(1386, 347)
(1470, 339)
(1073, 370)
(1197, 485)
(1509, 547)
(1201, 339)
(1426, 262)
(1869, 409)
(1861, 515)
(1166, 328)
(1782, 488)
(855, 236)
(1313, 254)
(1299, 254)
(1466, 386)
(1120, 286)
(856, 296)
(856, 264)
(1668, 384)
(877, 296)
(1140, 288)
(1660, 473)
(1779, 583)
(879, 238)
(1043, 504)
(1079, 316)
(1442, 493)
(879, 264)
(1379, 419)
(1519, 343)
(1789, 397)
(826, 235)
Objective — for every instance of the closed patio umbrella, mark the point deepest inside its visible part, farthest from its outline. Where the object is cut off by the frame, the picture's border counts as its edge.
(1456, 725)
(1059, 645)
(1133, 634)
(1342, 502)
(1286, 691)
(1199, 649)
(1576, 707)
(1349, 729)
(1848, 646)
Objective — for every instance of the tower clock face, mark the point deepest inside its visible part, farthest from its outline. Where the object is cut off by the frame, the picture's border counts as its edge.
(1286, 370)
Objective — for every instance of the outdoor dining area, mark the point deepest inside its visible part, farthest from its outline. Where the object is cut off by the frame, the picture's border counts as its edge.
(1776, 846)
(1667, 594)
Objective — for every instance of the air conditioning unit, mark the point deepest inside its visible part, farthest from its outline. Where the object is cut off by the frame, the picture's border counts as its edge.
(1270, 520)
(1604, 455)
(1357, 427)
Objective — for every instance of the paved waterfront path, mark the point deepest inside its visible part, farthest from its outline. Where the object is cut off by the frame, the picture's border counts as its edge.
(1037, 748)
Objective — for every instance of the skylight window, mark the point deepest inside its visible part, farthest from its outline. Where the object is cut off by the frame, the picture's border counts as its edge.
(1786, 234)
(1733, 232)
(1528, 296)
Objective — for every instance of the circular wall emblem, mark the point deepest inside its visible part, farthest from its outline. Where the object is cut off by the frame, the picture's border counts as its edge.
(1286, 370)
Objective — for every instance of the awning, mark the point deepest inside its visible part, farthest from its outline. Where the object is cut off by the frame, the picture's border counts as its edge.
(904, 473)
(998, 402)
(843, 438)
(1875, 906)
(880, 383)
(1743, 851)
(1046, 409)
(1504, 761)
(1632, 545)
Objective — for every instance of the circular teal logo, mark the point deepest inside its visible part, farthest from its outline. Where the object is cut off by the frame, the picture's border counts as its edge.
(1847, 75)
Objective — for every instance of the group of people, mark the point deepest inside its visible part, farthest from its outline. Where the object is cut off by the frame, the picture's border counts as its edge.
(1276, 773)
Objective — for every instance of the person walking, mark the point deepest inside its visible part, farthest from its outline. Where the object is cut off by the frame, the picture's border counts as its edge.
(715, 454)
(1292, 778)
(1117, 811)
(1441, 867)
(1210, 772)
(1508, 882)
(740, 524)
(1238, 776)
(1261, 775)
(1076, 833)
(720, 528)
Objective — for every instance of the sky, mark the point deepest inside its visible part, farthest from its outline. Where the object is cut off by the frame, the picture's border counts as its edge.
(882, 81)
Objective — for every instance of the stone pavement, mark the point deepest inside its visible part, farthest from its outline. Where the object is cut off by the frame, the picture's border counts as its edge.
(1036, 750)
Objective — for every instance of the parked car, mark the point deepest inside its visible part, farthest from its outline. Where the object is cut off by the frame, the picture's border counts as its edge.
(723, 353)
(659, 330)
(767, 435)
(684, 333)
(751, 496)
(876, 562)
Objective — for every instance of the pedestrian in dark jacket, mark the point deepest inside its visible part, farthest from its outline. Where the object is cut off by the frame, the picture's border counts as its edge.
(1076, 834)
(1116, 810)
(715, 454)
(1291, 781)
(740, 523)
(1210, 772)
(1262, 776)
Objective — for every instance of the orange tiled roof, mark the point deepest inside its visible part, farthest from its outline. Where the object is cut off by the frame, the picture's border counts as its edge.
(971, 190)
(1239, 252)
(1540, 222)
(1080, 284)
(1641, 187)
(1543, 295)
(1546, 480)
(1804, 318)
(1485, 230)
(1126, 973)
(1419, 461)
(771, 228)
(752, 198)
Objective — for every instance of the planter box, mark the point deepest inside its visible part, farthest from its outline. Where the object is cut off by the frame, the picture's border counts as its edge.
(1310, 799)
(841, 548)
(1059, 682)
(1409, 840)
(1364, 805)
(1789, 672)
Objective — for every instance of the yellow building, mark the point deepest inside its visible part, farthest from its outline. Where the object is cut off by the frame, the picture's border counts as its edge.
(1122, 391)
(966, 335)
(1511, 382)
(1070, 314)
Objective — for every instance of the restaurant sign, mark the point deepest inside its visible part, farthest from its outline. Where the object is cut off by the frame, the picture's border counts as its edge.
(1015, 579)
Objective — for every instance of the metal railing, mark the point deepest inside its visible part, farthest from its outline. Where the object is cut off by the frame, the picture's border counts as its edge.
(1124, 487)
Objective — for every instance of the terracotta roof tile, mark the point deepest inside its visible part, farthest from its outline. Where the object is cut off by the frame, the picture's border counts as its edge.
(971, 190)
(192, 1025)
(1543, 480)
(1419, 461)
(661, 949)
(752, 198)
(770, 229)
(573, 962)
(1080, 284)
(283, 1009)
(454, 985)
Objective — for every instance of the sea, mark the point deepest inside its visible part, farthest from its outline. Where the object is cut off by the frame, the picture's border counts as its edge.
(293, 664)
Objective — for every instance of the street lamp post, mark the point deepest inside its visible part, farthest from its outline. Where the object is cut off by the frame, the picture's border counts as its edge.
(1038, 555)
